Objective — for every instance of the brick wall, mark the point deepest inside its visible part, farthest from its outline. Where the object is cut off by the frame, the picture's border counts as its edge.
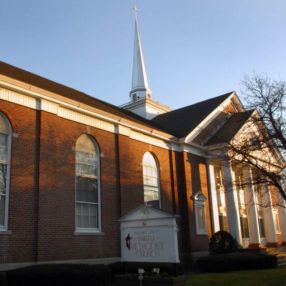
(19, 243)
(42, 197)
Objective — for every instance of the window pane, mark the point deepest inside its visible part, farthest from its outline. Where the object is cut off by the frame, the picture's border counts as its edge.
(86, 190)
(276, 220)
(223, 223)
(3, 147)
(244, 227)
(3, 139)
(93, 216)
(3, 181)
(261, 227)
(201, 218)
(2, 210)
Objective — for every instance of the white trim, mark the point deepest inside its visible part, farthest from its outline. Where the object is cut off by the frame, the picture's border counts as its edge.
(17, 98)
(77, 106)
(77, 113)
(215, 212)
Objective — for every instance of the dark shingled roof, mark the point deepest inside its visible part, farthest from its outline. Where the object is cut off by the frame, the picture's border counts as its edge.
(229, 129)
(181, 122)
(49, 85)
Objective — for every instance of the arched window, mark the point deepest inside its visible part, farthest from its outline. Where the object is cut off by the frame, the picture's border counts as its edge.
(151, 180)
(200, 212)
(5, 150)
(87, 184)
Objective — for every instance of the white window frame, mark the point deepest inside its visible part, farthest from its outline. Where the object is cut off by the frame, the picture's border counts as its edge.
(145, 186)
(200, 202)
(84, 230)
(4, 228)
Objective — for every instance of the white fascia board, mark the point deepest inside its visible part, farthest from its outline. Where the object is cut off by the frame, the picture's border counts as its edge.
(210, 117)
(39, 101)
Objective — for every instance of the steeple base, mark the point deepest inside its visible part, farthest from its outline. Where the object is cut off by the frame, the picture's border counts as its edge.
(146, 108)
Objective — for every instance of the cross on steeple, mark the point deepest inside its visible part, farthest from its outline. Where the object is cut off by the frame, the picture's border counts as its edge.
(135, 8)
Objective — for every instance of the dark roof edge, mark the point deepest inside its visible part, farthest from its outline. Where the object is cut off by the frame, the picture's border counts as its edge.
(70, 93)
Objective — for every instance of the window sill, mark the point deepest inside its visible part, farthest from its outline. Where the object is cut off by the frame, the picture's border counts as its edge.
(5, 232)
(201, 233)
(82, 232)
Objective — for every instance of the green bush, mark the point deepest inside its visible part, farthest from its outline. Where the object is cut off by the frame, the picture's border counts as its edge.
(60, 274)
(235, 261)
(222, 242)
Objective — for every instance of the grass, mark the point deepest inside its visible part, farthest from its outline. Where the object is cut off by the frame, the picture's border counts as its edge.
(269, 277)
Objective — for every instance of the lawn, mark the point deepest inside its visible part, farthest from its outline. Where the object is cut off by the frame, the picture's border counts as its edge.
(269, 277)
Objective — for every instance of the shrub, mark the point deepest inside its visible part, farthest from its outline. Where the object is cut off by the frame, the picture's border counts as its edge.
(222, 242)
(235, 261)
(60, 274)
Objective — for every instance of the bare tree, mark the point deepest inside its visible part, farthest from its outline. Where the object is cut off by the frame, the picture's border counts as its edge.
(261, 142)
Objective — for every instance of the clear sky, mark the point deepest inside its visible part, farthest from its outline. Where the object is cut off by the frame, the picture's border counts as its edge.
(193, 49)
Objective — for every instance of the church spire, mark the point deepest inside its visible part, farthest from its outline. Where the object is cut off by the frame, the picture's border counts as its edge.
(141, 101)
(140, 87)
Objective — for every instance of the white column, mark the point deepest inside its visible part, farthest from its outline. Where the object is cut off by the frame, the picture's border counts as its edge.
(282, 219)
(215, 213)
(231, 202)
(251, 207)
(269, 217)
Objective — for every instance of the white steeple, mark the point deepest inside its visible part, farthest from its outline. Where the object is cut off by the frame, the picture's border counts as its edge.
(140, 87)
(141, 101)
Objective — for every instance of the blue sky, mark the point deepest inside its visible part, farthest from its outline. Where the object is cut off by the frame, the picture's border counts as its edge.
(193, 50)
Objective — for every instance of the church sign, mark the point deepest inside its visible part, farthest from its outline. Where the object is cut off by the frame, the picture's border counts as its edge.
(149, 235)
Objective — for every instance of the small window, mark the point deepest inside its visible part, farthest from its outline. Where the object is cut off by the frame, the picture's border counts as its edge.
(151, 180)
(200, 213)
(87, 184)
(5, 150)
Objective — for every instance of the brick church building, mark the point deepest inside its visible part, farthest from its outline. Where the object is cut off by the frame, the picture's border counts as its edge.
(72, 165)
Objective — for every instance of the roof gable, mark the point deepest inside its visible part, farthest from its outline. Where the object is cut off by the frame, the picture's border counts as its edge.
(230, 128)
(181, 122)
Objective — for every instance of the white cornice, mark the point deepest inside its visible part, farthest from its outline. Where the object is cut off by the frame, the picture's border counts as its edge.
(38, 101)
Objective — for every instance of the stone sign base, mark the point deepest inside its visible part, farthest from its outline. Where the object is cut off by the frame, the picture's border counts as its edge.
(132, 280)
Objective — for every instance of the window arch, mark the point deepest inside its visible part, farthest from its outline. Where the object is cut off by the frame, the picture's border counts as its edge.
(5, 151)
(87, 184)
(151, 180)
(200, 212)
